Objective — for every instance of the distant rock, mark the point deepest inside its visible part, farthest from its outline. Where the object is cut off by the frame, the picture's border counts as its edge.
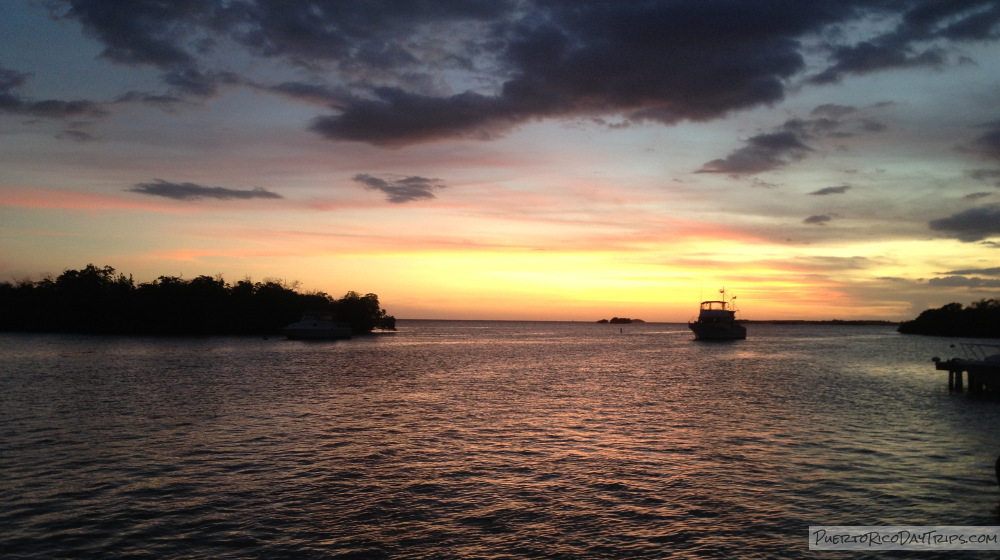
(621, 321)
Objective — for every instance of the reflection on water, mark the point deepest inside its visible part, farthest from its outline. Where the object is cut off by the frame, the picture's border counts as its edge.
(483, 440)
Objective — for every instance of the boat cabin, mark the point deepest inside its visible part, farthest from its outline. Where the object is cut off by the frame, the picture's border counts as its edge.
(715, 310)
(717, 321)
(316, 316)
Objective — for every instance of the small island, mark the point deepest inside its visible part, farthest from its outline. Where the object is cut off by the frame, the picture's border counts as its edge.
(620, 321)
(980, 319)
(103, 301)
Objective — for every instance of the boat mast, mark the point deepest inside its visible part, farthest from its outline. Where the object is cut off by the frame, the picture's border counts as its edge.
(727, 304)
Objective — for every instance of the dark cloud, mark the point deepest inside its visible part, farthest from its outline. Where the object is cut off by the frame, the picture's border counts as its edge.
(810, 128)
(12, 103)
(508, 62)
(761, 153)
(787, 142)
(970, 225)
(869, 125)
(909, 43)
(192, 82)
(399, 118)
(817, 220)
(190, 191)
(974, 20)
(57, 109)
(143, 31)
(989, 144)
(402, 190)
(867, 57)
(835, 263)
(986, 175)
(759, 184)
(983, 271)
(75, 135)
(832, 124)
(646, 62)
(978, 195)
(832, 190)
(963, 282)
(958, 20)
(348, 32)
(311, 93)
(833, 111)
(11, 79)
(167, 35)
(166, 102)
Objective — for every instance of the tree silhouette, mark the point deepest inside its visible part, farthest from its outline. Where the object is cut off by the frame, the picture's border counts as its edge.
(980, 319)
(100, 300)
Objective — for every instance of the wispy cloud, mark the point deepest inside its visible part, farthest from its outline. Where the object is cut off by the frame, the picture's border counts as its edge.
(832, 190)
(963, 282)
(13, 103)
(75, 135)
(833, 110)
(915, 40)
(191, 191)
(986, 175)
(819, 220)
(978, 195)
(761, 153)
(406, 189)
(793, 140)
(995, 271)
(989, 143)
(872, 56)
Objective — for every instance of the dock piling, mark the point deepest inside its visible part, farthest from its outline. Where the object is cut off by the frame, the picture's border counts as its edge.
(983, 375)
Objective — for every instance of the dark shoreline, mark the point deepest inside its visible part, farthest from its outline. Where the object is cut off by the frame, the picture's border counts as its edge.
(852, 323)
(103, 301)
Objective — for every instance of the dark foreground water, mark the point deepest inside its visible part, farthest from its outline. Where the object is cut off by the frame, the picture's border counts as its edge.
(484, 440)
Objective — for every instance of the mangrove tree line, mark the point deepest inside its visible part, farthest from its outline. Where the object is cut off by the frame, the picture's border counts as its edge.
(981, 319)
(101, 300)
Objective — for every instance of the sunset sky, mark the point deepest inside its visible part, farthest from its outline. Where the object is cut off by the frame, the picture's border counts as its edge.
(492, 159)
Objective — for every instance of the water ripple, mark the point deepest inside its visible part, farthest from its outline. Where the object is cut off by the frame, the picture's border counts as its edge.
(482, 440)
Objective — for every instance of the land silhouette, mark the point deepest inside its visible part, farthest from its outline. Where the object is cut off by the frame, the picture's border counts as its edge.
(980, 319)
(621, 321)
(102, 300)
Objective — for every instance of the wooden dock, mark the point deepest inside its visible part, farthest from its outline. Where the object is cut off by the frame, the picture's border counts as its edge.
(982, 370)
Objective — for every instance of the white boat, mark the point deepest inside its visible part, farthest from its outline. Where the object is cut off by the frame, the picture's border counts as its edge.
(717, 321)
(317, 325)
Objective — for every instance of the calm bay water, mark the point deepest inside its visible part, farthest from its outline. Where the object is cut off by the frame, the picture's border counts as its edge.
(472, 439)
